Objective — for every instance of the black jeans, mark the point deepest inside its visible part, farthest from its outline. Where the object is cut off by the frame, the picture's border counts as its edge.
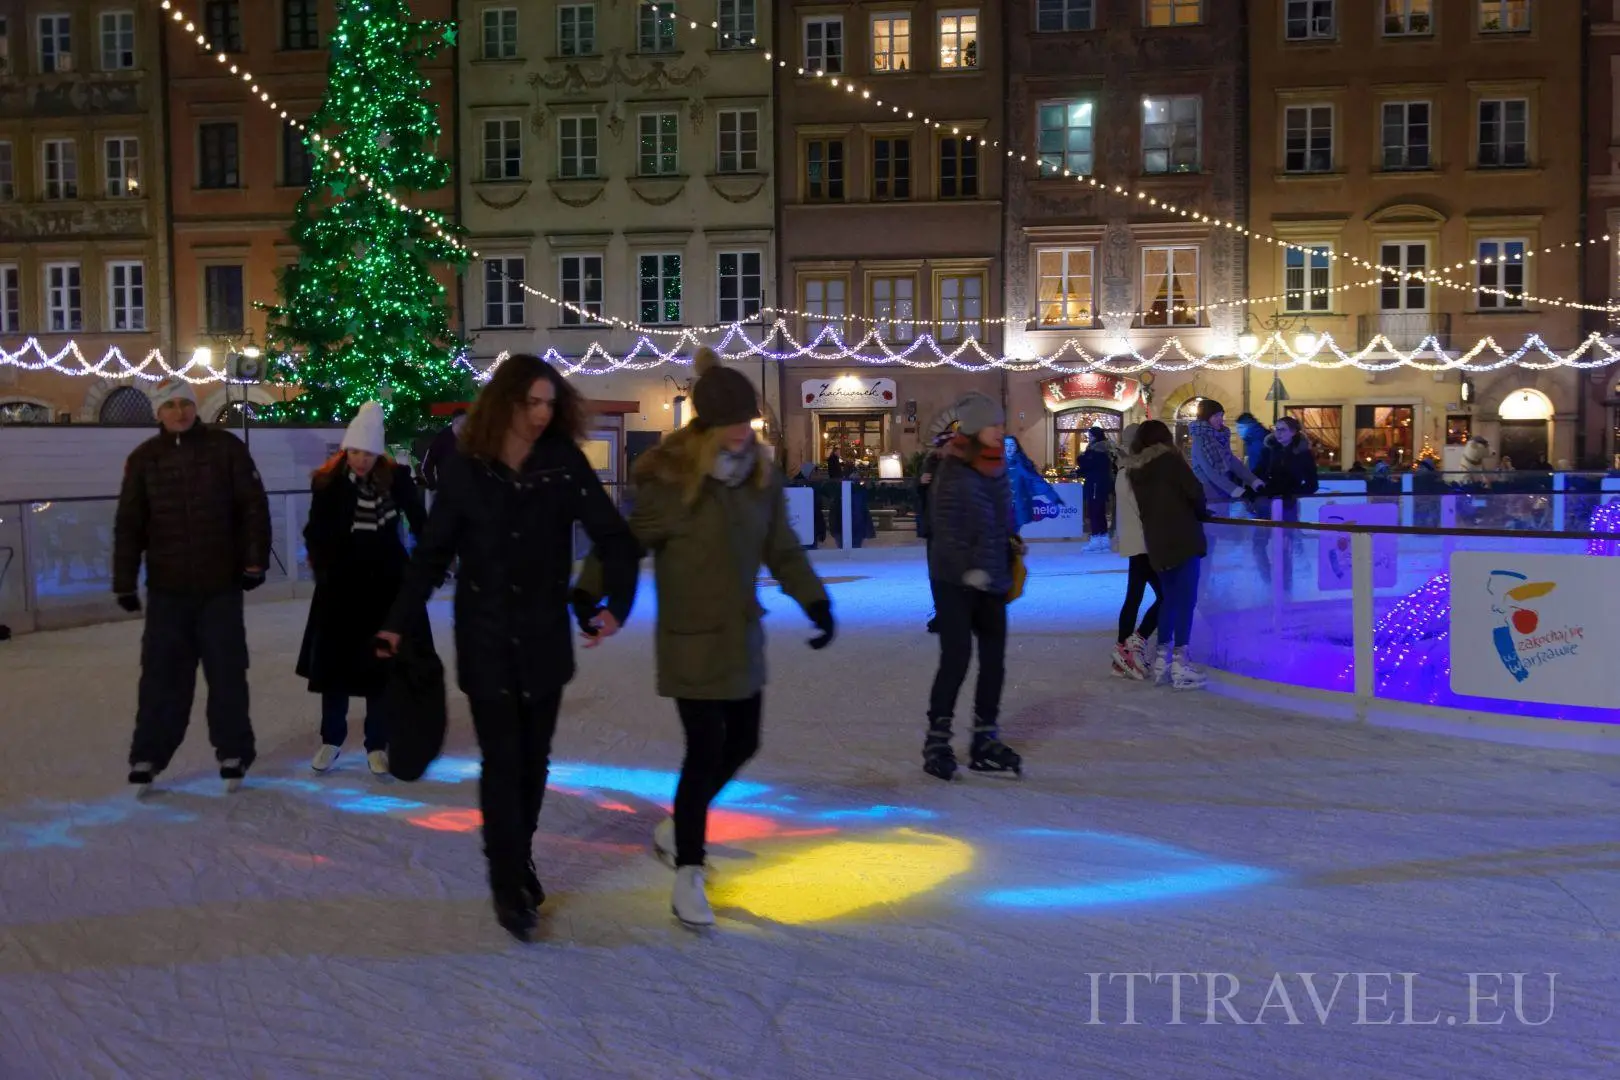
(181, 631)
(720, 737)
(1136, 585)
(966, 614)
(1096, 507)
(335, 720)
(514, 737)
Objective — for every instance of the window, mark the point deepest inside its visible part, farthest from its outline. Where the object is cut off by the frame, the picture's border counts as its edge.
(1406, 135)
(736, 18)
(1055, 16)
(217, 155)
(55, 44)
(64, 297)
(1307, 279)
(1398, 291)
(741, 286)
(1309, 20)
(503, 292)
(891, 168)
(1459, 430)
(576, 147)
(8, 174)
(824, 43)
(1504, 133)
(500, 33)
(1408, 17)
(123, 161)
(893, 307)
(1308, 138)
(1170, 286)
(581, 281)
(222, 20)
(1322, 425)
(576, 30)
(1501, 268)
(659, 277)
(297, 160)
(503, 149)
(117, 40)
(1066, 287)
(824, 170)
(1170, 134)
(739, 140)
(61, 163)
(660, 149)
(1175, 12)
(828, 299)
(1504, 16)
(126, 296)
(1065, 137)
(1384, 433)
(10, 299)
(961, 306)
(655, 27)
(959, 40)
(222, 298)
(958, 168)
(300, 25)
(891, 43)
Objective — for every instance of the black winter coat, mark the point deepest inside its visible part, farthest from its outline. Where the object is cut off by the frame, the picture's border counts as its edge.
(1289, 471)
(357, 578)
(1170, 501)
(972, 524)
(514, 535)
(194, 507)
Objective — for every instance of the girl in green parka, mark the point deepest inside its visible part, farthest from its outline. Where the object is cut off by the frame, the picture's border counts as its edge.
(709, 506)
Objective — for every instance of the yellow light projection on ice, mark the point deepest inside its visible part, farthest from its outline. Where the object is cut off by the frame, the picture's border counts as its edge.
(829, 881)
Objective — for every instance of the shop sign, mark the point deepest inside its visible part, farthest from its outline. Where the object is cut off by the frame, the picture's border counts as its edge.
(1096, 388)
(848, 392)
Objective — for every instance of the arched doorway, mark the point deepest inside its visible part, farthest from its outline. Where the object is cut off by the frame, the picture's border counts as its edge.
(1526, 434)
(1185, 415)
(127, 406)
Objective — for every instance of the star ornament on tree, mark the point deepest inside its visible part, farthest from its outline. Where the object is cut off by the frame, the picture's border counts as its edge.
(450, 35)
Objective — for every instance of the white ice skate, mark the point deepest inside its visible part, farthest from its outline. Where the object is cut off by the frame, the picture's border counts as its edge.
(1184, 676)
(664, 842)
(325, 757)
(377, 762)
(688, 900)
(1127, 664)
(1161, 670)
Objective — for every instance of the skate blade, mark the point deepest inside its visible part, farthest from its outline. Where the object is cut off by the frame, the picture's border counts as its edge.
(144, 792)
(233, 785)
(695, 927)
(1016, 773)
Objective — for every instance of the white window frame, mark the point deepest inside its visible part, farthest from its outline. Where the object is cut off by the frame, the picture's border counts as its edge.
(739, 24)
(1078, 162)
(59, 169)
(892, 60)
(1312, 114)
(953, 57)
(818, 55)
(500, 25)
(894, 316)
(1071, 15)
(742, 128)
(54, 33)
(652, 16)
(1163, 13)
(126, 296)
(574, 38)
(64, 298)
(10, 298)
(117, 31)
(1303, 20)
(819, 304)
(1174, 315)
(577, 267)
(122, 166)
(1406, 19)
(1401, 281)
(665, 157)
(579, 130)
(1510, 16)
(1313, 292)
(1498, 274)
(504, 295)
(1069, 296)
(502, 135)
(1173, 126)
(1501, 142)
(659, 308)
(1404, 128)
(746, 306)
(8, 171)
(961, 315)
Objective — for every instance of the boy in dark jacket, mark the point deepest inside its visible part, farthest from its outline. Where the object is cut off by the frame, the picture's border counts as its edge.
(970, 564)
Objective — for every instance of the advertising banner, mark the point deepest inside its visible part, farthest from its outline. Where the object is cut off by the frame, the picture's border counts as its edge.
(801, 512)
(1334, 571)
(1057, 521)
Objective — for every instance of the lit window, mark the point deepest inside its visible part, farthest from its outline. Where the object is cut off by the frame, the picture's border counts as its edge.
(1408, 17)
(1504, 16)
(891, 43)
(126, 296)
(1170, 286)
(1066, 287)
(961, 306)
(1065, 137)
(959, 40)
(1175, 12)
(893, 307)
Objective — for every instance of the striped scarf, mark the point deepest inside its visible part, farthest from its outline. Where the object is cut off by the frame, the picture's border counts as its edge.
(373, 509)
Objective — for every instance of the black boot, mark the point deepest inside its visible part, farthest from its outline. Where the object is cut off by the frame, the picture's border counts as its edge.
(990, 754)
(513, 909)
(531, 885)
(939, 760)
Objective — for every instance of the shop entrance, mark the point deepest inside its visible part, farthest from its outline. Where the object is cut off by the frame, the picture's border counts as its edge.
(859, 438)
(1072, 427)
(1524, 444)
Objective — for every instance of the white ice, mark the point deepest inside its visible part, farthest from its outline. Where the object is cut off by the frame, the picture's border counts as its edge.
(337, 927)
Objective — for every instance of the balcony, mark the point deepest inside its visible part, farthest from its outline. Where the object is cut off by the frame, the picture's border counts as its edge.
(1406, 329)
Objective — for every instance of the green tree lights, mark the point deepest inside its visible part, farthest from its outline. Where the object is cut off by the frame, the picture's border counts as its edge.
(362, 316)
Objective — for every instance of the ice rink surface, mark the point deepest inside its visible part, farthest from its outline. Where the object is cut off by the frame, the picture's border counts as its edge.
(874, 923)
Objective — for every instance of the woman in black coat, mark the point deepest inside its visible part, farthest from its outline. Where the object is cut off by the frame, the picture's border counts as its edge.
(1288, 466)
(506, 506)
(355, 548)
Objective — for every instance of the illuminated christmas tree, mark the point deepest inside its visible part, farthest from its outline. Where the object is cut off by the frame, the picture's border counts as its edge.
(362, 316)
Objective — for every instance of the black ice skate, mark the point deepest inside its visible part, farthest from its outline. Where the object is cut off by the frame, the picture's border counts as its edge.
(531, 886)
(232, 771)
(939, 760)
(991, 755)
(141, 775)
(514, 912)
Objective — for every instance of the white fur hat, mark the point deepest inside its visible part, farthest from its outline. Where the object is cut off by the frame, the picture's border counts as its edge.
(366, 430)
(174, 388)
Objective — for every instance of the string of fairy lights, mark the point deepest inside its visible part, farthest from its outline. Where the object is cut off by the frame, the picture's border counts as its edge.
(926, 350)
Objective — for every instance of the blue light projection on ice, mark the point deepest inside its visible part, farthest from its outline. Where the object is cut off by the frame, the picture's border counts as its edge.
(1103, 869)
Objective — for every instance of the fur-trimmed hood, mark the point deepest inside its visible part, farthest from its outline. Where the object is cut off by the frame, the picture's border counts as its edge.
(1133, 462)
(683, 458)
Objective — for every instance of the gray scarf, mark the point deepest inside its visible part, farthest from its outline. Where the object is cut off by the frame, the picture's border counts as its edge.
(732, 469)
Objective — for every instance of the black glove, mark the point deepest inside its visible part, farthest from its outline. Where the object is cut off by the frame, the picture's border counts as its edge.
(585, 608)
(130, 602)
(252, 581)
(821, 615)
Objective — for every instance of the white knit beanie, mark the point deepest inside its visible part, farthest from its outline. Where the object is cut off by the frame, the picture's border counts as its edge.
(366, 430)
(174, 388)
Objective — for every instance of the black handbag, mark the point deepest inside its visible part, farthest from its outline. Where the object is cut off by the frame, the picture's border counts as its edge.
(417, 706)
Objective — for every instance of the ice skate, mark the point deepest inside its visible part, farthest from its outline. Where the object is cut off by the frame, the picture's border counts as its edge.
(1184, 676)
(1126, 664)
(232, 771)
(939, 760)
(377, 762)
(532, 887)
(664, 842)
(325, 757)
(514, 912)
(141, 776)
(1161, 670)
(688, 901)
(991, 755)
(1143, 651)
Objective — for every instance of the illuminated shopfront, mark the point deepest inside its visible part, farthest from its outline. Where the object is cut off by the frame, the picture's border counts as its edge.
(1081, 402)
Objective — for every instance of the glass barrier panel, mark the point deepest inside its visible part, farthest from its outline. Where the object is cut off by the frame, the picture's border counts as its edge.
(13, 591)
(71, 551)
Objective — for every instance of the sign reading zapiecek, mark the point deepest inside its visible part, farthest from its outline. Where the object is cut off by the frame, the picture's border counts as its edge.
(848, 392)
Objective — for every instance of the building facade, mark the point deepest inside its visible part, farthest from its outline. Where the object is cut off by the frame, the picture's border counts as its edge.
(84, 255)
(1432, 137)
(238, 171)
(888, 227)
(616, 162)
(1602, 269)
(1145, 97)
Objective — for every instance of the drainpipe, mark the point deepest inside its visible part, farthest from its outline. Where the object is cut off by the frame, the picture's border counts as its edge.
(1583, 385)
(1241, 154)
(456, 163)
(779, 236)
(167, 195)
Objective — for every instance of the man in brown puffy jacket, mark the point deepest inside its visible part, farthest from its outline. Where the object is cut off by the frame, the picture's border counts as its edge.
(193, 506)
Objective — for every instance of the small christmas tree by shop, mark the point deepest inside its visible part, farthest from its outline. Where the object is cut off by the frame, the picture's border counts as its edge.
(361, 316)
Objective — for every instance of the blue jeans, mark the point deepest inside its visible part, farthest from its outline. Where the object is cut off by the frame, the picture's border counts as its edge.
(1178, 596)
(335, 721)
